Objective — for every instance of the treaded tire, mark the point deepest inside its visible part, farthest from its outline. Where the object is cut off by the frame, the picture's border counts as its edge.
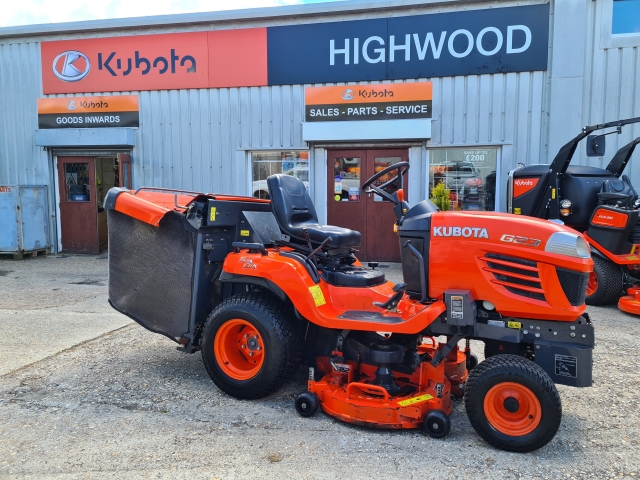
(511, 368)
(280, 331)
(609, 283)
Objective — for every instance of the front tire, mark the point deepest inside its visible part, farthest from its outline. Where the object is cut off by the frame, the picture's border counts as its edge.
(251, 345)
(605, 283)
(513, 404)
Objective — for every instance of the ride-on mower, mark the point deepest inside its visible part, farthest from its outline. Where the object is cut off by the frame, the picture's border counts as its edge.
(599, 202)
(257, 286)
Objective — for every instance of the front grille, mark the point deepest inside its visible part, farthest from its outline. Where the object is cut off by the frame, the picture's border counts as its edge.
(505, 258)
(574, 285)
(509, 270)
(526, 293)
(518, 281)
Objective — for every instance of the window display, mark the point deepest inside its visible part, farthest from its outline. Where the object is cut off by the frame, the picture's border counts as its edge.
(468, 174)
(263, 164)
(346, 183)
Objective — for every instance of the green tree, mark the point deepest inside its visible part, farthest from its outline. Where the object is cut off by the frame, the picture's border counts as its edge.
(440, 196)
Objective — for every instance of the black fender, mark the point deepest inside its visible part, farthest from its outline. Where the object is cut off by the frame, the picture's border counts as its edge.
(598, 253)
(226, 277)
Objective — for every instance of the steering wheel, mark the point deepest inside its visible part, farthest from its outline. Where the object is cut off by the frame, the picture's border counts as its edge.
(401, 167)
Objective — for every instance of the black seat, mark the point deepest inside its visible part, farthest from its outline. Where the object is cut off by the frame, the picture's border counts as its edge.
(618, 192)
(294, 211)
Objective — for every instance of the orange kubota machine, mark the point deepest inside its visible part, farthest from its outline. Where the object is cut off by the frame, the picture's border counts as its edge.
(260, 287)
(600, 202)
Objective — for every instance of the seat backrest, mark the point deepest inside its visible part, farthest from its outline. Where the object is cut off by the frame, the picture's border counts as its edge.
(290, 202)
(621, 186)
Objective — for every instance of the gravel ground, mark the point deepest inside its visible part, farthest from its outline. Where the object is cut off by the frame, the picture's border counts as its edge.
(128, 405)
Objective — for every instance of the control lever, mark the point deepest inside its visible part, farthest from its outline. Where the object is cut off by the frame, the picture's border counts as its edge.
(320, 247)
(392, 303)
(307, 238)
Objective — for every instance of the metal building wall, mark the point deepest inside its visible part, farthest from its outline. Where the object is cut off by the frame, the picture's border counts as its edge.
(21, 162)
(197, 139)
(611, 88)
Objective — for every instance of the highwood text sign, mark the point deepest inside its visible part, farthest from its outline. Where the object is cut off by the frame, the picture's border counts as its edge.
(473, 42)
(368, 102)
(88, 112)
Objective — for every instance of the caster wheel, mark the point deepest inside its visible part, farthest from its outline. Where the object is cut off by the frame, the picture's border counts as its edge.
(307, 404)
(437, 424)
(472, 361)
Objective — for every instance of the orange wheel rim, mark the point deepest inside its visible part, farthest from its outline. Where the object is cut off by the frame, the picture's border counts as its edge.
(512, 409)
(592, 285)
(239, 349)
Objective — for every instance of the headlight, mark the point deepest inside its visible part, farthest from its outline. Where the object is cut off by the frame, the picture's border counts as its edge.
(570, 244)
(565, 203)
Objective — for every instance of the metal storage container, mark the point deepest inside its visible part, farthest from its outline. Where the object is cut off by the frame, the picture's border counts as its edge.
(24, 219)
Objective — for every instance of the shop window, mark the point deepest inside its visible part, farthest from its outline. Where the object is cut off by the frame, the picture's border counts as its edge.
(78, 185)
(469, 174)
(626, 17)
(380, 164)
(346, 182)
(263, 164)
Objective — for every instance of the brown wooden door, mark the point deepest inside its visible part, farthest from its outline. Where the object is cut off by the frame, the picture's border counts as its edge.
(78, 207)
(345, 172)
(382, 242)
(348, 207)
(124, 170)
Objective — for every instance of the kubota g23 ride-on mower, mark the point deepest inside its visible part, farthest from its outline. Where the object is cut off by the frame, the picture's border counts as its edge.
(257, 286)
(599, 202)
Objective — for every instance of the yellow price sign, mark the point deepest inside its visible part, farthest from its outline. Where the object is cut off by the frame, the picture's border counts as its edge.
(413, 400)
(318, 297)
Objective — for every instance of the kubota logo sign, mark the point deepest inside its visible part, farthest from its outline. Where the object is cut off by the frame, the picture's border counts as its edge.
(71, 66)
(466, 232)
(523, 185)
(224, 58)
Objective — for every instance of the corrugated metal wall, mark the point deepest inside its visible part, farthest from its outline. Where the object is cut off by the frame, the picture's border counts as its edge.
(21, 162)
(198, 139)
(611, 89)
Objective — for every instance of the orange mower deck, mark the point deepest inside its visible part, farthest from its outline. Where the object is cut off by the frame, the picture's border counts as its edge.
(630, 303)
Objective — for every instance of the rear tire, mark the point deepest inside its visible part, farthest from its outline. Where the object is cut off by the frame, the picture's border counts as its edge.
(258, 324)
(513, 404)
(605, 283)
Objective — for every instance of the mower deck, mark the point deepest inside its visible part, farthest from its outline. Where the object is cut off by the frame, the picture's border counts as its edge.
(630, 303)
(350, 393)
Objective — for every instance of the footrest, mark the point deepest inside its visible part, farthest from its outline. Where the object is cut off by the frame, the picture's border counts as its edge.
(370, 317)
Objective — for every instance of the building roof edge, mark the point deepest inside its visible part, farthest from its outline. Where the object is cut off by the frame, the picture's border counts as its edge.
(223, 16)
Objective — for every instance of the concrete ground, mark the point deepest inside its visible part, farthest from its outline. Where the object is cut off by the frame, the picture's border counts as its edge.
(85, 394)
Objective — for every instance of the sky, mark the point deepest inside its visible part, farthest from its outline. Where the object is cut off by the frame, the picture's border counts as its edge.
(28, 12)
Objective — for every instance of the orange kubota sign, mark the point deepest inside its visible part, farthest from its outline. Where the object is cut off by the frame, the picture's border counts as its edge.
(368, 102)
(156, 62)
(88, 112)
